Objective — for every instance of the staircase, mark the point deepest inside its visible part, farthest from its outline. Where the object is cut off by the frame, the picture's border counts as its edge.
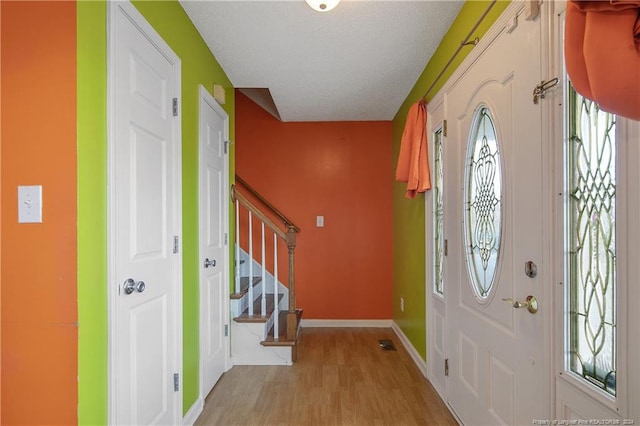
(266, 323)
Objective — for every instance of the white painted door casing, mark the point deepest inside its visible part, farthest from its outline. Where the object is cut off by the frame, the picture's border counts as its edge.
(144, 217)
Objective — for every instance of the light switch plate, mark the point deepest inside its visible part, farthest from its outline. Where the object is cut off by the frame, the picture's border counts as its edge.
(319, 221)
(30, 204)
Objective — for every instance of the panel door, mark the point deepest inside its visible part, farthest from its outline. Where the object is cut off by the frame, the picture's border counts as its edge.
(214, 282)
(493, 200)
(145, 203)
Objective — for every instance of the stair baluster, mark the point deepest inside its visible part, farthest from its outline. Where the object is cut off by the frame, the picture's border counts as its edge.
(263, 283)
(237, 283)
(276, 311)
(250, 263)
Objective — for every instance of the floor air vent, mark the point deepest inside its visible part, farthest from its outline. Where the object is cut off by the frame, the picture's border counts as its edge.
(386, 345)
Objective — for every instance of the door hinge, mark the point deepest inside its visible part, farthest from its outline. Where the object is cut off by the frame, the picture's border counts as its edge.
(175, 107)
(446, 247)
(446, 367)
(226, 146)
(226, 330)
(176, 382)
(444, 128)
(226, 238)
(176, 244)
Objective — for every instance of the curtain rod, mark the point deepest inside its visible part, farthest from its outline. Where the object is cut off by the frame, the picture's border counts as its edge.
(465, 42)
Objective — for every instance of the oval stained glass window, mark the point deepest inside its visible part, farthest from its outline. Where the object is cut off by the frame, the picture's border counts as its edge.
(483, 203)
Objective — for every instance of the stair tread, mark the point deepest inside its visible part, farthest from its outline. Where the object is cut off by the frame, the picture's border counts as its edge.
(257, 305)
(282, 331)
(244, 287)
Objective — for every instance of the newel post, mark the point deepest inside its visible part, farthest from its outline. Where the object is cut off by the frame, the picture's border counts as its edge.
(292, 326)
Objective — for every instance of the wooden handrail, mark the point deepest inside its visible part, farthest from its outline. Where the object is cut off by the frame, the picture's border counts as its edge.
(256, 212)
(287, 222)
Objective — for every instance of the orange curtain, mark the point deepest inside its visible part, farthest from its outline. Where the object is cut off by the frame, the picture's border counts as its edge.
(602, 53)
(413, 162)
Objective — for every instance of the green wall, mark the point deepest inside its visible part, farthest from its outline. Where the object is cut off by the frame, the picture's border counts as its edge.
(409, 272)
(199, 66)
(92, 212)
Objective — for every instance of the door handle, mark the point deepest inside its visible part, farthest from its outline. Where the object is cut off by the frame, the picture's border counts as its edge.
(531, 304)
(209, 263)
(130, 286)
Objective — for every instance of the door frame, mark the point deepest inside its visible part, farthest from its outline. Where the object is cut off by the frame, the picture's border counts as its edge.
(130, 11)
(515, 9)
(205, 96)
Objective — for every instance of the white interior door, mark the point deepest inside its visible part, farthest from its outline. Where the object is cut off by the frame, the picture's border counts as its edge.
(214, 265)
(145, 217)
(498, 368)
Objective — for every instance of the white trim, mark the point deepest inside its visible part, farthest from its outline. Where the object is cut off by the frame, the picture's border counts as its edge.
(550, 53)
(127, 8)
(413, 353)
(206, 97)
(194, 412)
(313, 323)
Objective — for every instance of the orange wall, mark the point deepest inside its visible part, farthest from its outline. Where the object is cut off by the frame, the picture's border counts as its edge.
(341, 170)
(38, 131)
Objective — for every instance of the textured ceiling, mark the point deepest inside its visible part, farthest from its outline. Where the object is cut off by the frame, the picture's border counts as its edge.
(356, 62)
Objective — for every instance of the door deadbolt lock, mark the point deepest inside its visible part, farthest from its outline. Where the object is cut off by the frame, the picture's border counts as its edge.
(530, 269)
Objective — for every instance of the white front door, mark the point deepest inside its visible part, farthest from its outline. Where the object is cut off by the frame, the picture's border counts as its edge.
(498, 367)
(144, 219)
(214, 273)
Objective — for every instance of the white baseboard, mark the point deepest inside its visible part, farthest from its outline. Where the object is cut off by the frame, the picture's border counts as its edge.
(194, 412)
(413, 353)
(311, 323)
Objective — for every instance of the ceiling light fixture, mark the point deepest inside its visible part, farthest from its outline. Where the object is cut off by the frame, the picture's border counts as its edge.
(322, 5)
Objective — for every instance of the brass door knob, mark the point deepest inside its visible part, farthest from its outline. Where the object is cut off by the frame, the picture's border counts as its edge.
(531, 304)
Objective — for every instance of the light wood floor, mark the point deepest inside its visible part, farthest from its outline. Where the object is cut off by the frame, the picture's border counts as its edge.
(342, 377)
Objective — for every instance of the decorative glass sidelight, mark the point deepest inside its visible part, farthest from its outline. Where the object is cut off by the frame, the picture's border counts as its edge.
(590, 235)
(483, 203)
(438, 216)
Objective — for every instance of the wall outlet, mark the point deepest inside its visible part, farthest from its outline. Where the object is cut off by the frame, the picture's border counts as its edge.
(402, 304)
